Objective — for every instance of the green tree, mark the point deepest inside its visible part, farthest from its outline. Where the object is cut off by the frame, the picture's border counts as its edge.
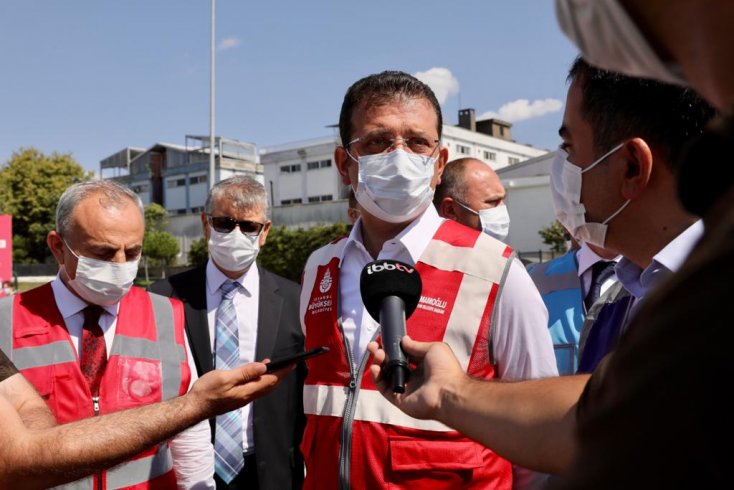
(198, 252)
(158, 244)
(554, 235)
(30, 186)
(287, 250)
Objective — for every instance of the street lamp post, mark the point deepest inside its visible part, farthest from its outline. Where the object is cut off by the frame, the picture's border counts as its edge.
(212, 167)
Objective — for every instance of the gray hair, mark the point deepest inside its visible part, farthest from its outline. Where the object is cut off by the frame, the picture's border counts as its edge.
(115, 194)
(244, 192)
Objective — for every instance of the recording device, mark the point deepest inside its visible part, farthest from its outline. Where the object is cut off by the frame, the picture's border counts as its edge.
(390, 292)
(276, 364)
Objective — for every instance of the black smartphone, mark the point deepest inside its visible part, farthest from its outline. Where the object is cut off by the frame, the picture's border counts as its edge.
(276, 364)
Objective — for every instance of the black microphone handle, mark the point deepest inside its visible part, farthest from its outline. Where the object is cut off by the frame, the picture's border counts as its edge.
(392, 325)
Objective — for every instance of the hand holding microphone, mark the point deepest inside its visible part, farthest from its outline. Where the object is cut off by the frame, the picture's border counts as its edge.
(390, 292)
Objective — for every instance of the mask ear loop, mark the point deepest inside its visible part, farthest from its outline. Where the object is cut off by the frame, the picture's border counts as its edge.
(602, 158)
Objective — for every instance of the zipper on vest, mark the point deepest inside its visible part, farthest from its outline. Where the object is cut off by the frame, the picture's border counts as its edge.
(98, 476)
(345, 448)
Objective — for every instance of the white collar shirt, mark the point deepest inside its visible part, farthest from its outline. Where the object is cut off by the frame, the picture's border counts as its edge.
(359, 327)
(586, 258)
(245, 302)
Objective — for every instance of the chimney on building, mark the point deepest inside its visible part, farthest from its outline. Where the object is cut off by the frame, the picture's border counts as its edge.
(495, 127)
(468, 119)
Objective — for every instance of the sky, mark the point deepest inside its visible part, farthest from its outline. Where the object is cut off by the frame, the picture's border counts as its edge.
(91, 77)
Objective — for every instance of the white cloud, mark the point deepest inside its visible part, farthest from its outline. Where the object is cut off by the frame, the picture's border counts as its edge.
(441, 80)
(522, 109)
(228, 43)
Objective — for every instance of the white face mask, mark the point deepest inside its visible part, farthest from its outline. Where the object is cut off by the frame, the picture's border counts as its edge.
(100, 282)
(396, 186)
(233, 251)
(607, 38)
(566, 189)
(495, 221)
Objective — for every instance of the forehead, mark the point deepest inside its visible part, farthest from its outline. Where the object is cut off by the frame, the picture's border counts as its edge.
(95, 218)
(226, 207)
(481, 182)
(575, 125)
(400, 116)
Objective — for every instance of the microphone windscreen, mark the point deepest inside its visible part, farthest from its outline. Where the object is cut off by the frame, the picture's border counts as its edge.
(383, 278)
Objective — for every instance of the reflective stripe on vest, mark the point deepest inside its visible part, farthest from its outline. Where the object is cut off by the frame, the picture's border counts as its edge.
(6, 320)
(371, 407)
(166, 350)
(141, 470)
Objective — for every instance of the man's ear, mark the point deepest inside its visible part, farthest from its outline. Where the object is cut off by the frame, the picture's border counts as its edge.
(204, 225)
(638, 169)
(56, 245)
(447, 208)
(341, 159)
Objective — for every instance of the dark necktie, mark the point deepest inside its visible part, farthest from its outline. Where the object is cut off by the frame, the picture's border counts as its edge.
(600, 272)
(94, 350)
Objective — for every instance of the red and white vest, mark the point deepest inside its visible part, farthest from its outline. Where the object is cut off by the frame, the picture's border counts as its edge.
(147, 363)
(354, 438)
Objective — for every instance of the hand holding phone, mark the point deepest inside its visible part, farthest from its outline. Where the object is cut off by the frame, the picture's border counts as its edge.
(276, 364)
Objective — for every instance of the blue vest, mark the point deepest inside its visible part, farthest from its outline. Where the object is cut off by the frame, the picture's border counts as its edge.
(603, 327)
(560, 287)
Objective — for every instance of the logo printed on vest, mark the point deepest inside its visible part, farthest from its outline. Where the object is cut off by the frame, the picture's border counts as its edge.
(436, 305)
(325, 283)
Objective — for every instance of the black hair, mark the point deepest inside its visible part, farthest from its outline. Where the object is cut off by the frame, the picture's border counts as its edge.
(380, 89)
(619, 107)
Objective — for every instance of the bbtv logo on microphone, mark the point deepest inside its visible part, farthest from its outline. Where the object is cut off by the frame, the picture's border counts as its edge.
(389, 267)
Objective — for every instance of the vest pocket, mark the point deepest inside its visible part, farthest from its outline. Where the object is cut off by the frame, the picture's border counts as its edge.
(140, 382)
(409, 454)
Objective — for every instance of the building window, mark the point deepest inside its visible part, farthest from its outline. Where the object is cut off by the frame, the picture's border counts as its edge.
(314, 199)
(512, 160)
(197, 179)
(318, 164)
(464, 150)
(288, 169)
(138, 188)
(197, 209)
(327, 197)
(490, 155)
(176, 183)
(287, 202)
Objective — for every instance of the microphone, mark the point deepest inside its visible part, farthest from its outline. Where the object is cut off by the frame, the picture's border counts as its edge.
(390, 292)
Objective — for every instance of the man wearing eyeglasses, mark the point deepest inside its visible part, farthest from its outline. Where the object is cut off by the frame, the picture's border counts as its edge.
(235, 309)
(476, 296)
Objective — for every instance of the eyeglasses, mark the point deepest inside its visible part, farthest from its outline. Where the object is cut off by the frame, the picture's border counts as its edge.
(225, 224)
(373, 145)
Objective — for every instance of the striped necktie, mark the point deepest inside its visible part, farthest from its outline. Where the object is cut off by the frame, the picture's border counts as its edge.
(229, 459)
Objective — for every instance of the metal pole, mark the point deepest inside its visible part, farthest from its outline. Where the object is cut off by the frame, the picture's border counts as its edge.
(212, 168)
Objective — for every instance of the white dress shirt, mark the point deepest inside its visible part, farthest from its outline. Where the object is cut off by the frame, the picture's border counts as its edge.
(245, 302)
(586, 258)
(192, 450)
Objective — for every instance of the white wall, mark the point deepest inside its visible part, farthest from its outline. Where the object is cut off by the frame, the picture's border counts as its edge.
(530, 205)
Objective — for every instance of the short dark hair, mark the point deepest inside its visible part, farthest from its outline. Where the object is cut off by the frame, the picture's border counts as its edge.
(380, 89)
(619, 107)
